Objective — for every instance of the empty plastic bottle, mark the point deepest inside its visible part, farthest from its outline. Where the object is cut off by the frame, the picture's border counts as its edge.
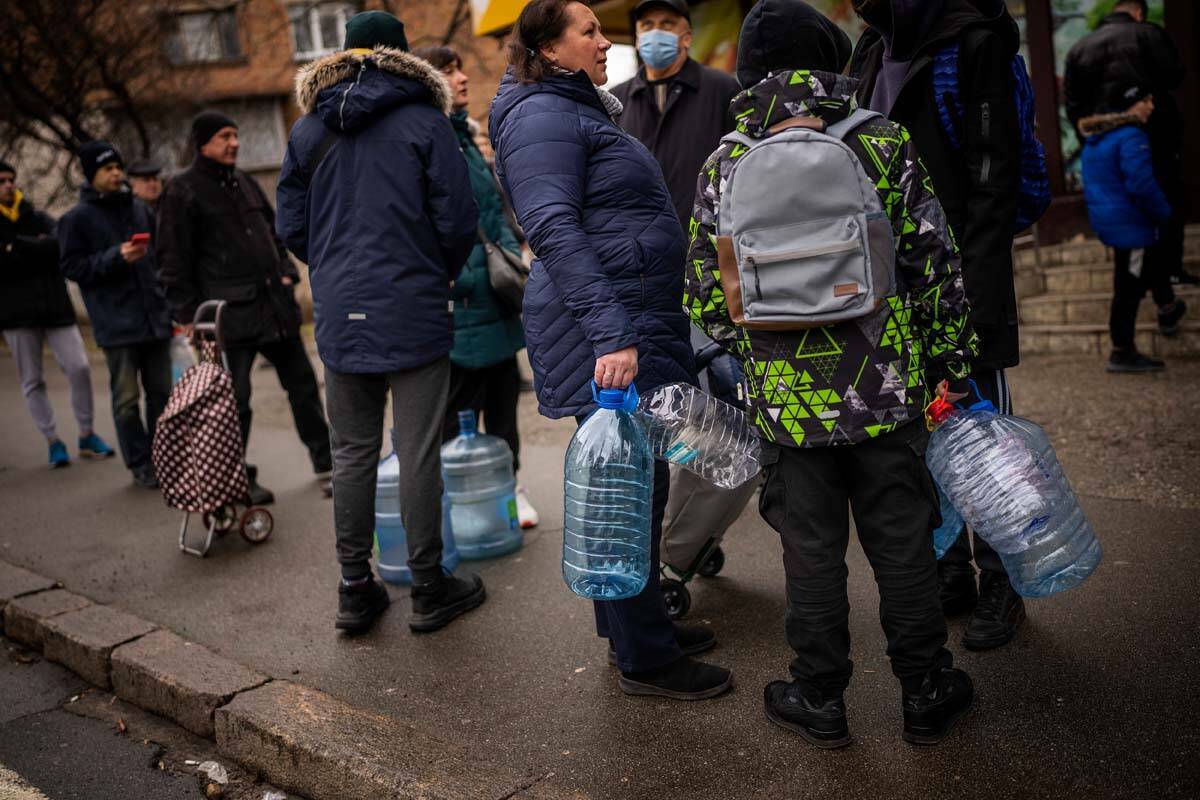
(391, 539)
(182, 357)
(478, 473)
(700, 433)
(1003, 476)
(608, 477)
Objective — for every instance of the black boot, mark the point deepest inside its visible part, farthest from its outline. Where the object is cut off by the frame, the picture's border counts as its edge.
(802, 710)
(930, 712)
(692, 640)
(257, 495)
(956, 587)
(997, 616)
(435, 603)
(683, 679)
(360, 605)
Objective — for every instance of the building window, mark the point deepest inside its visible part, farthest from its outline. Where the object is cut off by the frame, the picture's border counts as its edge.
(319, 28)
(204, 37)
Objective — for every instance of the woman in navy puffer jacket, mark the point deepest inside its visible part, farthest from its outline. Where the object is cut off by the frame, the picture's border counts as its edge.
(604, 300)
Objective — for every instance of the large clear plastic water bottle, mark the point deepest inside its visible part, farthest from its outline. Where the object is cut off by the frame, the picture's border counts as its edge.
(478, 472)
(702, 434)
(391, 539)
(952, 524)
(608, 478)
(182, 357)
(1003, 476)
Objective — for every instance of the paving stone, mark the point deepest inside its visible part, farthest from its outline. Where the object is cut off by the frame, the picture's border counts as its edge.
(308, 742)
(15, 582)
(177, 679)
(83, 640)
(25, 617)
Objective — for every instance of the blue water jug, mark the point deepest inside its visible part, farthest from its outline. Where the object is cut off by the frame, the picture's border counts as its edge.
(1003, 476)
(391, 540)
(608, 477)
(478, 472)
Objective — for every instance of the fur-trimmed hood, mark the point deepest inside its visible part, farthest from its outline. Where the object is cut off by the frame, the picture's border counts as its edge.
(1097, 124)
(347, 88)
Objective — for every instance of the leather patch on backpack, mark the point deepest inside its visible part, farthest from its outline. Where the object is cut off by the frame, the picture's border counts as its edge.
(845, 289)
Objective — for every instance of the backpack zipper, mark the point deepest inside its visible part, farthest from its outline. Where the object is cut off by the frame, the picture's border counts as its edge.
(752, 259)
(985, 124)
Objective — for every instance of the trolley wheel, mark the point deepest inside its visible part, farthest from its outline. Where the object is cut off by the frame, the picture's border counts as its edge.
(257, 524)
(713, 565)
(676, 597)
(220, 520)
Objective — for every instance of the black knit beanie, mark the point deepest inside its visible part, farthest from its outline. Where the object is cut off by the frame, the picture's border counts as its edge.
(779, 35)
(95, 154)
(206, 124)
(370, 29)
(7, 167)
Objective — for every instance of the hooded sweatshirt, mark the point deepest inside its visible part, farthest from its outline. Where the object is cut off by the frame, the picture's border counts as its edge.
(903, 24)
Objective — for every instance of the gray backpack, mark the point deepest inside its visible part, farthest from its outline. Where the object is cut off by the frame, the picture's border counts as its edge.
(803, 239)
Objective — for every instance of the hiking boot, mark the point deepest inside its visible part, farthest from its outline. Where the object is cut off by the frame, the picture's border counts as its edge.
(997, 616)
(1169, 316)
(92, 446)
(685, 678)
(436, 603)
(929, 714)
(359, 605)
(1132, 361)
(144, 477)
(692, 640)
(802, 710)
(59, 457)
(956, 587)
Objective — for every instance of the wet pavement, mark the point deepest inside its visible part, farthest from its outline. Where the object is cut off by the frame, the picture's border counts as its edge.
(1097, 696)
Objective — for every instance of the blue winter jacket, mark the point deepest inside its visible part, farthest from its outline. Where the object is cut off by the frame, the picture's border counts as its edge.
(609, 251)
(125, 302)
(1125, 204)
(386, 219)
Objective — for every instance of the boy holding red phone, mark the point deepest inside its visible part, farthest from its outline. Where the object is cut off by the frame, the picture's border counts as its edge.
(105, 247)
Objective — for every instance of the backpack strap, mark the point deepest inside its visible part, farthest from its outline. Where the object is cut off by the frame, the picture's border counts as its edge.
(735, 137)
(323, 147)
(839, 130)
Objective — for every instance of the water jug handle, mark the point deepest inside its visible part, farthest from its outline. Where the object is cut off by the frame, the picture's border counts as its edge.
(983, 404)
(631, 396)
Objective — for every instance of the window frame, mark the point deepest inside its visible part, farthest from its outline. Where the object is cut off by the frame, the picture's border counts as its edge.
(226, 28)
(344, 9)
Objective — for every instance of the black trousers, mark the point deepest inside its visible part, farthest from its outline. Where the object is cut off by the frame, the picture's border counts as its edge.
(1154, 268)
(151, 362)
(992, 385)
(295, 371)
(492, 393)
(806, 498)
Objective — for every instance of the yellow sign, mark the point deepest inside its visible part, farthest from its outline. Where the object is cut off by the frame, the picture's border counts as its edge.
(495, 16)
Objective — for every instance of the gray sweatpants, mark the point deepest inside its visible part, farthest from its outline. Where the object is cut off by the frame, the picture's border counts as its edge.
(696, 512)
(67, 346)
(355, 404)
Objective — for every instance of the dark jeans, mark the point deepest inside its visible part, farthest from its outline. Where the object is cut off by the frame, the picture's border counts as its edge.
(992, 385)
(356, 405)
(805, 499)
(491, 392)
(151, 362)
(640, 630)
(1129, 289)
(296, 376)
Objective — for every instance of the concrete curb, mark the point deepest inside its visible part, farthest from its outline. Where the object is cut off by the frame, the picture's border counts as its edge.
(301, 739)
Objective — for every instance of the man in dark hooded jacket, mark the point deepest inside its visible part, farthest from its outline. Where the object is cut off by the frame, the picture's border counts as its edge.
(375, 196)
(978, 185)
(216, 241)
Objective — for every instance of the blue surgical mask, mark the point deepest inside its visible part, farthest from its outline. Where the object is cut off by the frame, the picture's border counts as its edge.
(658, 48)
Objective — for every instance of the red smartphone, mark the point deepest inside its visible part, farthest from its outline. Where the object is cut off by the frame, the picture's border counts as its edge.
(140, 238)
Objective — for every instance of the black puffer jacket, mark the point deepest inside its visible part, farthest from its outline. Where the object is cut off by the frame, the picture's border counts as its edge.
(33, 293)
(977, 183)
(124, 301)
(216, 241)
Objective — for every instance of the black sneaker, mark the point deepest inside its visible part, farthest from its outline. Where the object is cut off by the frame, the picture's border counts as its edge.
(360, 605)
(144, 477)
(685, 678)
(998, 614)
(1169, 316)
(692, 640)
(956, 587)
(434, 604)
(821, 722)
(931, 712)
(1133, 361)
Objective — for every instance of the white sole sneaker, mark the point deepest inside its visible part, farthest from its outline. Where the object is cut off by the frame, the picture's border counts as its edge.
(527, 516)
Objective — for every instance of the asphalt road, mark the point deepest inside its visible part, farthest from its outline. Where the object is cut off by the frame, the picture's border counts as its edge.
(1096, 698)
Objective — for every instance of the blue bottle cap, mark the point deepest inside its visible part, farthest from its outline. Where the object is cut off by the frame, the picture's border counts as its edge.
(466, 422)
(616, 399)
